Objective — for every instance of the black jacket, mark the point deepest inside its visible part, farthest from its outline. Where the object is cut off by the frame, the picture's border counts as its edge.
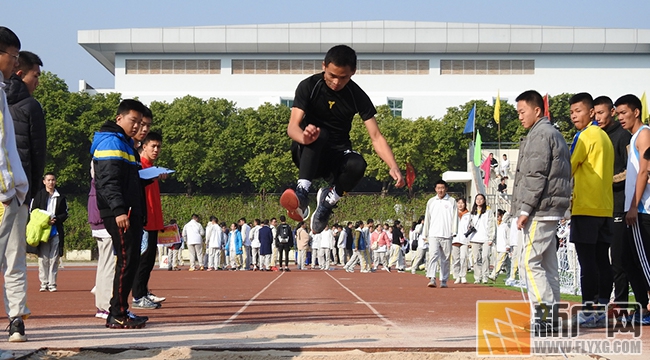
(621, 140)
(116, 164)
(29, 126)
(60, 212)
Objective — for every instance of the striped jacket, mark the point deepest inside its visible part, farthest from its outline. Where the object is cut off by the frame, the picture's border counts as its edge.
(116, 164)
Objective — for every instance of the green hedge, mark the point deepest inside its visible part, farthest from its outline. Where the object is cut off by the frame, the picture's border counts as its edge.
(230, 208)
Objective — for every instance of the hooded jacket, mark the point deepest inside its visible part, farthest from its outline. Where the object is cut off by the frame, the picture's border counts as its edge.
(29, 126)
(116, 164)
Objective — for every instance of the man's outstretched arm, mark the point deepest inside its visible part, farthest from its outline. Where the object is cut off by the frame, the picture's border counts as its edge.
(383, 150)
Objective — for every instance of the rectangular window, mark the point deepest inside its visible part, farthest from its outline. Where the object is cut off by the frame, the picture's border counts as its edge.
(286, 102)
(156, 66)
(395, 106)
(487, 67)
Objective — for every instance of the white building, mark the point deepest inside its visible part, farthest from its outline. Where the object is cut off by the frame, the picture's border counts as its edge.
(418, 68)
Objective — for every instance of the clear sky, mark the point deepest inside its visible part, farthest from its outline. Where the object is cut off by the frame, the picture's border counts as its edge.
(49, 27)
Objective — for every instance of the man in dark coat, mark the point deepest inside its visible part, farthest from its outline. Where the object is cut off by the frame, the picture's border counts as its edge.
(266, 242)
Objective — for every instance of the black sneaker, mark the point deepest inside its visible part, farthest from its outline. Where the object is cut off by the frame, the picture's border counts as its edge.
(17, 330)
(323, 211)
(125, 322)
(297, 203)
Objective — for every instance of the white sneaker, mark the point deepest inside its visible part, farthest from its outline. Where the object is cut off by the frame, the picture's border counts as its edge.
(463, 280)
(457, 281)
(155, 298)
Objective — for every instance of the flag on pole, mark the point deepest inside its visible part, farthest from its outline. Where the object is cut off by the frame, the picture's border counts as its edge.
(469, 125)
(497, 108)
(547, 111)
(410, 175)
(486, 171)
(477, 149)
(644, 108)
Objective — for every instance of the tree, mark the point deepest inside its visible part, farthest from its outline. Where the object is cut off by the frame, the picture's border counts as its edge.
(71, 120)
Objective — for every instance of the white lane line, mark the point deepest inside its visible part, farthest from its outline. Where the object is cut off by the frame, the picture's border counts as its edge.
(243, 308)
(379, 315)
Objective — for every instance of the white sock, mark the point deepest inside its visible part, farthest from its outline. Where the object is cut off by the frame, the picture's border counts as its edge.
(304, 184)
(332, 197)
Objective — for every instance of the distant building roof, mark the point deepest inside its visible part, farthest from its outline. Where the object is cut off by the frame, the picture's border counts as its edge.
(365, 37)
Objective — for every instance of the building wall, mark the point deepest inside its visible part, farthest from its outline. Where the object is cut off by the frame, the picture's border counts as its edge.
(423, 95)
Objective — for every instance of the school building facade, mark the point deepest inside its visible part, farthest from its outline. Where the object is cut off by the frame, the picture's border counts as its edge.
(417, 68)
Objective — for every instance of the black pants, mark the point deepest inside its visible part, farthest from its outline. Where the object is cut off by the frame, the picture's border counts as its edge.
(637, 245)
(620, 253)
(127, 250)
(283, 248)
(340, 166)
(147, 262)
(591, 236)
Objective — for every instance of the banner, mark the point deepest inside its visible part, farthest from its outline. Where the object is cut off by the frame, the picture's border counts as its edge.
(169, 235)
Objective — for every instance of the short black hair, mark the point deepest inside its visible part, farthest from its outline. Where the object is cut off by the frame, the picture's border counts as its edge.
(604, 100)
(442, 182)
(532, 98)
(370, 221)
(257, 221)
(27, 60)
(584, 98)
(195, 216)
(213, 218)
(265, 222)
(358, 223)
(500, 212)
(172, 221)
(342, 56)
(152, 136)
(8, 39)
(48, 173)
(147, 113)
(282, 218)
(242, 219)
(130, 104)
(631, 100)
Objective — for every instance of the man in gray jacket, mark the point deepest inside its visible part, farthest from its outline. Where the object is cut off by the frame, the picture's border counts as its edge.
(540, 198)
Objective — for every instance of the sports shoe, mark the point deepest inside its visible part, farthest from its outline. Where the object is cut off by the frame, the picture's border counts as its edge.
(457, 281)
(637, 318)
(510, 282)
(386, 268)
(323, 211)
(101, 314)
(349, 270)
(156, 299)
(52, 288)
(463, 280)
(16, 330)
(297, 203)
(191, 269)
(400, 270)
(443, 284)
(287, 269)
(202, 268)
(365, 271)
(43, 288)
(125, 322)
(134, 316)
(542, 328)
(145, 303)
(432, 283)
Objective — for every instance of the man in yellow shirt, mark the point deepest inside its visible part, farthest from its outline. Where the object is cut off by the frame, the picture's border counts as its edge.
(592, 167)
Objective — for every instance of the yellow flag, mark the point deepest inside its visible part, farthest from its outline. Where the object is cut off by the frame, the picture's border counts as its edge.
(497, 109)
(644, 109)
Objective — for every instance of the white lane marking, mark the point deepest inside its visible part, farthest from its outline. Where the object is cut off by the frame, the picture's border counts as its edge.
(379, 315)
(243, 308)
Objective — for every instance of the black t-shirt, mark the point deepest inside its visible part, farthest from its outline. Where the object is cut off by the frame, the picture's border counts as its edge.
(502, 188)
(332, 110)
